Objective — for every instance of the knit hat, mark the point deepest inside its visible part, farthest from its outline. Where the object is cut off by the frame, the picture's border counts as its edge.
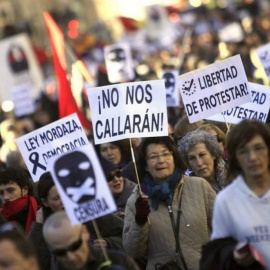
(107, 165)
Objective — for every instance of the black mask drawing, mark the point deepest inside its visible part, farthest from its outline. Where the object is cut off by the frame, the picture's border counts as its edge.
(75, 174)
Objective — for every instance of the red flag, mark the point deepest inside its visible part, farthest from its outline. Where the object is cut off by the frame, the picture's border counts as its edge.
(66, 102)
(129, 23)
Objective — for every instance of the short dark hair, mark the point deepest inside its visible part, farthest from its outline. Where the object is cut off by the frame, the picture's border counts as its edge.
(18, 176)
(10, 231)
(239, 136)
(169, 143)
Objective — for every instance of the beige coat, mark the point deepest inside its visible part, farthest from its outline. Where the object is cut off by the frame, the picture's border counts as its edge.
(155, 239)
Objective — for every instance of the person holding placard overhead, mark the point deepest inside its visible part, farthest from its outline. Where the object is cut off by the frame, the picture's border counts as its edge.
(241, 210)
(172, 212)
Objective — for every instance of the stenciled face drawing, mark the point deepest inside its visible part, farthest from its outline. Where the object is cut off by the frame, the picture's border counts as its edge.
(118, 59)
(169, 83)
(75, 174)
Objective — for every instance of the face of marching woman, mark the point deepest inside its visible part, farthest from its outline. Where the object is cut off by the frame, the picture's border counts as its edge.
(201, 162)
(159, 162)
(253, 158)
(111, 152)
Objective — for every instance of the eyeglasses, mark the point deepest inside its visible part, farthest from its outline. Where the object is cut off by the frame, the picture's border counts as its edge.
(111, 176)
(219, 140)
(155, 158)
(245, 152)
(73, 247)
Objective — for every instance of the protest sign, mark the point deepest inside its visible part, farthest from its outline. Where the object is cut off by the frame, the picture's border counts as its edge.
(119, 63)
(171, 85)
(232, 32)
(18, 66)
(258, 109)
(128, 110)
(23, 102)
(214, 89)
(57, 138)
(82, 186)
(263, 53)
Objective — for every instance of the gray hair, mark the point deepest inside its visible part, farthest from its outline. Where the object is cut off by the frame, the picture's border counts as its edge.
(194, 137)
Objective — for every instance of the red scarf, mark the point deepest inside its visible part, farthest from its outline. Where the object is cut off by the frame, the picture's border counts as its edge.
(10, 209)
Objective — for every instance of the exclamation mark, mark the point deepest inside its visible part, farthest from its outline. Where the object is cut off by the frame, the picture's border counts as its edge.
(161, 126)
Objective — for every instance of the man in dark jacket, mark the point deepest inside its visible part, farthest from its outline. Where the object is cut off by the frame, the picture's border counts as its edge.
(70, 244)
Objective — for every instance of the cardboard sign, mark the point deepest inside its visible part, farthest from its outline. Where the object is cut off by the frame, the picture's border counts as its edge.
(18, 66)
(214, 89)
(82, 186)
(55, 139)
(23, 102)
(119, 63)
(264, 56)
(129, 110)
(171, 85)
(258, 109)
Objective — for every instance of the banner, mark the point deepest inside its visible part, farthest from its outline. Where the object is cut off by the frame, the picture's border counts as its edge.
(57, 138)
(214, 89)
(128, 110)
(82, 186)
(258, 109)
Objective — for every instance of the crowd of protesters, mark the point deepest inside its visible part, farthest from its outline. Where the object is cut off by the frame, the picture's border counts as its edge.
(198, 198)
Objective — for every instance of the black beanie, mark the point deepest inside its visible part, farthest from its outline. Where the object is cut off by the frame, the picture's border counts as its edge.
(107, 165)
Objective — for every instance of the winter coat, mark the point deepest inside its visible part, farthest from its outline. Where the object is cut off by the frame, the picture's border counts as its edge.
(155, 239)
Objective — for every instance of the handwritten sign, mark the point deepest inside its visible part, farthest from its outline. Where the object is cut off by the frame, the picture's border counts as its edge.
(129, 110)
(55, 139)
(214, 89)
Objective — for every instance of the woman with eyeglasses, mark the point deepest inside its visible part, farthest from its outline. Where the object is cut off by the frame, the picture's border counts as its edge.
(202, 153)
(121, 188)
(173, 212)
(241, 211)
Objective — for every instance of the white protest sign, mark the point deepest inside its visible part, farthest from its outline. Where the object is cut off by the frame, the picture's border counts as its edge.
(257, 109)
(57, 138)
(82, 186)
(128, 110)
(18, 66)
(232, 32)
(119, 63)
(23, 102)
(264, 56)
(171, 85)
(214, 89)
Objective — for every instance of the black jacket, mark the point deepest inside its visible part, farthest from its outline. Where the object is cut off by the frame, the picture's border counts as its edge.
(218, 255)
